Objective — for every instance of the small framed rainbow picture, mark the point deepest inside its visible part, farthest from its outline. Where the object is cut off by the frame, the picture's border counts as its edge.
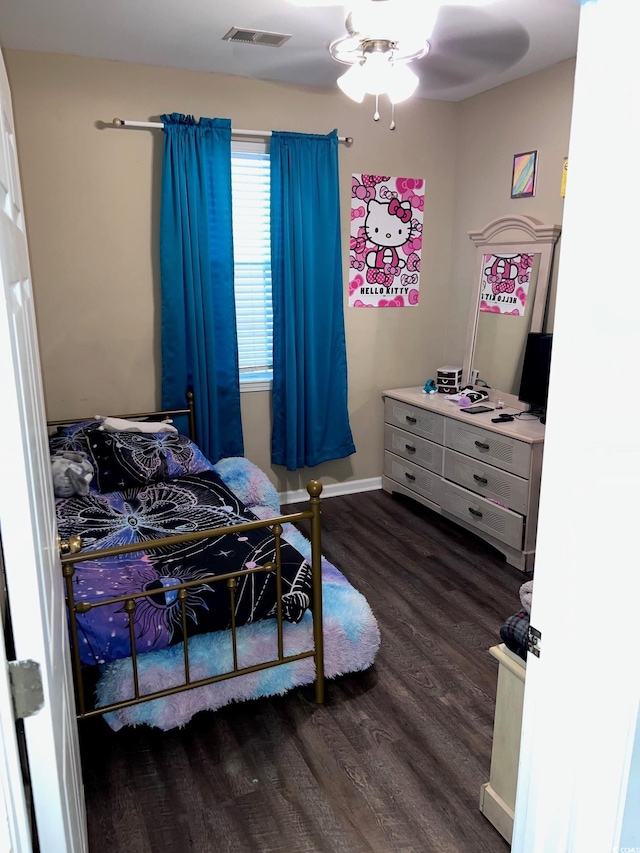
(523, 179)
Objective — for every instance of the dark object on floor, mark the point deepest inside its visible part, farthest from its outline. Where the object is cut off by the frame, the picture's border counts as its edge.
(514, 633)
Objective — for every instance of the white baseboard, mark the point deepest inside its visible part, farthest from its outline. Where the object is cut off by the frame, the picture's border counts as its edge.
(333, 490)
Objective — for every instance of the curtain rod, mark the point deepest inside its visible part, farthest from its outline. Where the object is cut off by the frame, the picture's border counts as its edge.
(125, 122)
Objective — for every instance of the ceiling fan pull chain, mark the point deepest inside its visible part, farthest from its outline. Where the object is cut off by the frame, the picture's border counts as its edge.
(376, 115)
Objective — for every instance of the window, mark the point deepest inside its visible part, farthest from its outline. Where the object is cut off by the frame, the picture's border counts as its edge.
(250, 186)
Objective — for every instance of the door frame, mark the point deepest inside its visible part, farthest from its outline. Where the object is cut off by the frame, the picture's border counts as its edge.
(582, 696)
(35, 588)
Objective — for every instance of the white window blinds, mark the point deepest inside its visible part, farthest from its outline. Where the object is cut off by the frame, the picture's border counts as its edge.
(250, 184)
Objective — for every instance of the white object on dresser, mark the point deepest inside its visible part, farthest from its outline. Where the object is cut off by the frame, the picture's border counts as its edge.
(498, 795)
(483, 476)
(449, 379)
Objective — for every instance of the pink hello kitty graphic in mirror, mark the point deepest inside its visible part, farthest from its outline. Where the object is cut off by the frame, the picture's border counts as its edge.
(386, 241)
(505, 283)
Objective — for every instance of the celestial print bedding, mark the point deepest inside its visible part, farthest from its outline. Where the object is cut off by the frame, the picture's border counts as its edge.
(181, 505)
(125, 459)
(351, 638)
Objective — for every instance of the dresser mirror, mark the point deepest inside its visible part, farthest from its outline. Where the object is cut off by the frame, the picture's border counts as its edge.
(509, 297)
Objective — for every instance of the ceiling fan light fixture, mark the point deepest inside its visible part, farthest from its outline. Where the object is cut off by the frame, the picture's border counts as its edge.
(383, 37)
(402, 84)
(352, 83)
(377, 71)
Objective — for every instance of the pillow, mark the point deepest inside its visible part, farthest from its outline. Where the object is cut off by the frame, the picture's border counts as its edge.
(124, 425)
(184, 456)
(126, 459)
(74, 437)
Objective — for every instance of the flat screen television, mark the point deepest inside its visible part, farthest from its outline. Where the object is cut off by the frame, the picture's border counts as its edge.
(534, 385)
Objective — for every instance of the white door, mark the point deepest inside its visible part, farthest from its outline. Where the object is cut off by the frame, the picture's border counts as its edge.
(27, 525)
(15, 831)
(582, 695)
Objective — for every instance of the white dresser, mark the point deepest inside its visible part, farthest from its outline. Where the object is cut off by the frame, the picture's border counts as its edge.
(483, 476)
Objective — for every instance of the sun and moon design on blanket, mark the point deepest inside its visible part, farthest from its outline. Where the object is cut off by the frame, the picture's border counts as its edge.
(182, 505)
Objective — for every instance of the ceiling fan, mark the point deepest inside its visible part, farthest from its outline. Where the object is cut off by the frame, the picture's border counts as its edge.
(385, 36)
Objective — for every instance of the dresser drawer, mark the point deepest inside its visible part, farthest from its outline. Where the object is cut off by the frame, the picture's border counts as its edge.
(487, 481)
(502, 524)
(419, 450)
(412, 476)
(499, 450)
(418, 421)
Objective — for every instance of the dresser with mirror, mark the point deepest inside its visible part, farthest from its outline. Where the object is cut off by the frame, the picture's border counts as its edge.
(514, 260)
(484, 476)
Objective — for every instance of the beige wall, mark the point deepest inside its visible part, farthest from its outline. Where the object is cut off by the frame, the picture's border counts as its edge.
(91, 198)
(530, 114)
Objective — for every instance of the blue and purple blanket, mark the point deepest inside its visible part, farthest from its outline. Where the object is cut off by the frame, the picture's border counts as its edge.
(351, 638)
(184, 504)
(351, 633)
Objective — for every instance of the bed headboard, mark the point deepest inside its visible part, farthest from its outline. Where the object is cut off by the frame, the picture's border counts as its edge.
(152, 416)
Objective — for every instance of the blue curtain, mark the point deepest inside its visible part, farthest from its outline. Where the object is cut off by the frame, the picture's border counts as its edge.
(199, 346)
(310, 418)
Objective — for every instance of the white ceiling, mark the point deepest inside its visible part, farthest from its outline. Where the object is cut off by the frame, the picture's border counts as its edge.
(472, 49)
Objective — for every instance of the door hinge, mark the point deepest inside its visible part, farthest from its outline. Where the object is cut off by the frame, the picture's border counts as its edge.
(26, 687)
(534, 638)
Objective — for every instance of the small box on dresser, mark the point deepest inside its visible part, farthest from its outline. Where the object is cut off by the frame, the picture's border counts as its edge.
(449, 379)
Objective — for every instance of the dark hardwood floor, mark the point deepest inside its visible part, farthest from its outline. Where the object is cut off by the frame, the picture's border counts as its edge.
(394, 760)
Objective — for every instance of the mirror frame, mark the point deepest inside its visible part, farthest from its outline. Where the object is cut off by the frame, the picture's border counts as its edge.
(510, 234)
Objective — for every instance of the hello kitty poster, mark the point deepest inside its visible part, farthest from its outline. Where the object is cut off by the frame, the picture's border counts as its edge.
(386, 241)
(505, 283)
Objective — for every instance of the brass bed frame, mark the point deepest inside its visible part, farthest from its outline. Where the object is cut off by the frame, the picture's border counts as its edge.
(71, 554)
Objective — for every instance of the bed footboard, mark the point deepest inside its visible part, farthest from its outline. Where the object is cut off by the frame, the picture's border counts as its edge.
(71, 554)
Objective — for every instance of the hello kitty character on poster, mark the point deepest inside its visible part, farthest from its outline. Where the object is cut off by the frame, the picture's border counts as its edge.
(386, 241)
(505, 283)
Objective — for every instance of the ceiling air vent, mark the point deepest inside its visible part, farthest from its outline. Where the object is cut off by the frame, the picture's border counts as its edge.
(261, 37)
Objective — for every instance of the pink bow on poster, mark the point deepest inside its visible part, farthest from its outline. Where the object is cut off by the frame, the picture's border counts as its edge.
(396, 302)
(397, 209)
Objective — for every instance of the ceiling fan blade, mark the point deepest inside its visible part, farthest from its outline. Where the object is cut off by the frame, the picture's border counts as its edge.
(468, 43)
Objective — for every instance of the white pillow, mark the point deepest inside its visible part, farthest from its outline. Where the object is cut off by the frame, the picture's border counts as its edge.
(123, 425)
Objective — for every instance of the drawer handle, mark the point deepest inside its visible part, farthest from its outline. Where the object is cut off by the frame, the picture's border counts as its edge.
(409, 476)
(475, 512)
(480, 479)
(410, 448)
(410, 420)
(481, 445)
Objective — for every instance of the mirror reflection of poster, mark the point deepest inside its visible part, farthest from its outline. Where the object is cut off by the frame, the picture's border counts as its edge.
(505, 283)
(386, 241)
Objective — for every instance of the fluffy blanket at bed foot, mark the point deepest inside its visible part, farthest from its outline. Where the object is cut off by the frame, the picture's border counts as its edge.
(351, 639)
